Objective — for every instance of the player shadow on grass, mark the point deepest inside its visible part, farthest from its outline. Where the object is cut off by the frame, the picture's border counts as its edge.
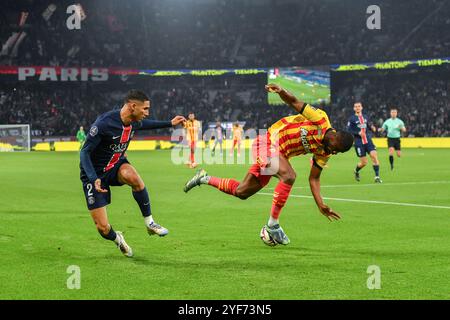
(239, 262)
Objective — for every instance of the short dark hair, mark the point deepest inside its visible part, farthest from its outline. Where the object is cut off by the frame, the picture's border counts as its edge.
(136, 95)
(345, 140)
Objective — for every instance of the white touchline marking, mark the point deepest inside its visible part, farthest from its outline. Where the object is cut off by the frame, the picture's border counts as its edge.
(374, 184)
(367, 201)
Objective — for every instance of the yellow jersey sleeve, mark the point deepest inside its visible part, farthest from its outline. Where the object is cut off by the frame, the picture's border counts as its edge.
(320, 161)
(313, 114)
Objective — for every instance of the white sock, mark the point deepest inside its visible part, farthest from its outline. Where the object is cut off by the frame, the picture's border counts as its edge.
(205, 180)
(272, 222)
(148, 220)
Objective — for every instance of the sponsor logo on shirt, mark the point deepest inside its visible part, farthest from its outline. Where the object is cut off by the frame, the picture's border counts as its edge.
(303, 134)
(361, 125)
(119, 148)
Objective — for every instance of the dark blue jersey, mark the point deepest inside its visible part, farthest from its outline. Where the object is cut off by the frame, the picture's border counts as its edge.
(359, 126)
(107, 141)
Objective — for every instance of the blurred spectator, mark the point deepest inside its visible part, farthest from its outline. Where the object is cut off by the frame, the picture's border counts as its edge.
(59, 109)
(219, 33)
(421, 96)
(162, 34)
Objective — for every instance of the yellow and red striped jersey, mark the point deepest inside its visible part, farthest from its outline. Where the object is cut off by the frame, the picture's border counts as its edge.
(302, 134)
(192, 128)
(237, 132)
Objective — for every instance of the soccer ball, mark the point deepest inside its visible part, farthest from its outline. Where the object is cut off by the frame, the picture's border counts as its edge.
(266, 237)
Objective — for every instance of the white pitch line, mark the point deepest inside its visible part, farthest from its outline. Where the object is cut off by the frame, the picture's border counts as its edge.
(367, 201)
(374, 184)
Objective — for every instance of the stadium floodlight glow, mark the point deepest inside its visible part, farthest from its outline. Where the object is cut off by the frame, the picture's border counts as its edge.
(15, 137)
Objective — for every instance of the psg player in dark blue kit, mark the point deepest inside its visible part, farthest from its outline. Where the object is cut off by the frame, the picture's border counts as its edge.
(358, 124)
(103, 163)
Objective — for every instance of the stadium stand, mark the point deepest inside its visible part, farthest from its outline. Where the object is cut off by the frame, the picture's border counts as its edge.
(253, 34)
(224, 33)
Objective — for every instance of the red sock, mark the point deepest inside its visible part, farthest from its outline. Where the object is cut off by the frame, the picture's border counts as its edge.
(225, 185)
(280, 196)
(192, 152)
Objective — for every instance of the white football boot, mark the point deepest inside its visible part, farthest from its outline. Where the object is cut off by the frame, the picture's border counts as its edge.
(123, 246)
(154, 228)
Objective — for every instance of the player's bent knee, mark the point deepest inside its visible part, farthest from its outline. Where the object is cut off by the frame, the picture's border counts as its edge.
(242, 194)
(289, 178)
(134, 181)
(137, 184)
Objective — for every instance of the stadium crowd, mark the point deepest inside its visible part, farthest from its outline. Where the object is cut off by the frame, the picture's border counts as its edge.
(58, 110)
(220, 33)
(217, 34)
(423, 104)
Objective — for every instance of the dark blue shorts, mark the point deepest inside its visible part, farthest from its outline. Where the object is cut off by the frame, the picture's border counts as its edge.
(95, 199)
(363, 149)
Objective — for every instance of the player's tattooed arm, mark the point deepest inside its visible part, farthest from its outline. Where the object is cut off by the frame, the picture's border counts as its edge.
(286, 96)
(314, 184)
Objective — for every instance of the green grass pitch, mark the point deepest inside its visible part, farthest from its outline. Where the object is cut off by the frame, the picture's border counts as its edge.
(213, 250)
(301, 90)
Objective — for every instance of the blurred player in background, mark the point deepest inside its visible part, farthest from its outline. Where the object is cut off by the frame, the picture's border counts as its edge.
(394, 127)
(193, 128)
(237, 137)
(218, 137)
(81, 137)
(358, 124)
(103, 163)
(309, 131)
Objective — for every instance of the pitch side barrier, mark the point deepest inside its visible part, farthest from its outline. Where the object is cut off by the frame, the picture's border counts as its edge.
(148, 145)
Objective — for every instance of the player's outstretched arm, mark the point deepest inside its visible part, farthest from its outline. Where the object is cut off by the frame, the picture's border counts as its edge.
(147, 124)
(178, 120)
(286, 96)
(314, 184)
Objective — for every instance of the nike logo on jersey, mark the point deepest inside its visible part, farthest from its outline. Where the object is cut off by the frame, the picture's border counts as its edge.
(116, 137)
